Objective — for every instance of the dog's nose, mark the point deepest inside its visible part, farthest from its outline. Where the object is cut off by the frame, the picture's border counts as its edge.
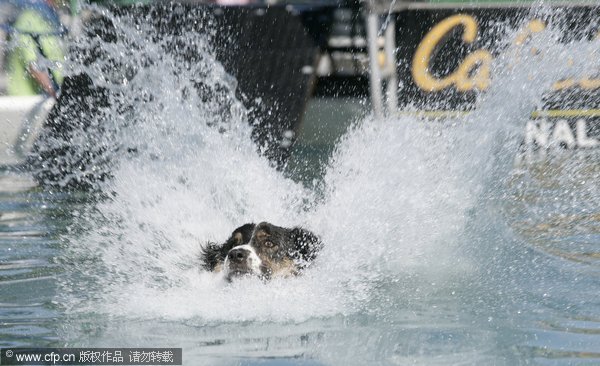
(237, 255)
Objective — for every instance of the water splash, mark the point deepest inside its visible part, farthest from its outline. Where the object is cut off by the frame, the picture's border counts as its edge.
(401, 195)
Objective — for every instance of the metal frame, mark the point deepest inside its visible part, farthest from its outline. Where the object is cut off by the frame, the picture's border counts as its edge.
(385, 7)
(383, 77)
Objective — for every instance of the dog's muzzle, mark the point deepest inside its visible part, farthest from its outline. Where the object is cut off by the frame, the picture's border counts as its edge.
(242, 260)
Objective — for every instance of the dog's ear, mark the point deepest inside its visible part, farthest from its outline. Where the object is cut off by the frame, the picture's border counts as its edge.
(306, 244)
(211, 256)
(213, 253)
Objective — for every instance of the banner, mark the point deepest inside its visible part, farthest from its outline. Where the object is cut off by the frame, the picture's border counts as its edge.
(445, 61)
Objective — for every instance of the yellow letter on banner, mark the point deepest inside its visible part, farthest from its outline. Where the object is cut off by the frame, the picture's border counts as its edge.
(461, 78)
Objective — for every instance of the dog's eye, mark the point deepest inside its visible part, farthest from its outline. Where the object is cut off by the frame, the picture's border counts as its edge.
(269, 244)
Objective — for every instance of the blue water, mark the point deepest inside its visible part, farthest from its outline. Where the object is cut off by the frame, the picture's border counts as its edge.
(440, 249)
(529, 295)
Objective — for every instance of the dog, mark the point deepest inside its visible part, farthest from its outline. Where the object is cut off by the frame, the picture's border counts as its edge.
(263, 250)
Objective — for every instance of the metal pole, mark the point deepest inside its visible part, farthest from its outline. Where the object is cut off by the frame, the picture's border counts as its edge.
(390, 62)
(375, 77)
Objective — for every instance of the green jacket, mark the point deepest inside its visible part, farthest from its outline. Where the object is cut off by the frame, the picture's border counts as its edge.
(34, 39)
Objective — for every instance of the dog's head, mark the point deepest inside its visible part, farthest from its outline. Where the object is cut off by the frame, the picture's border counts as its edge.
(269, 251)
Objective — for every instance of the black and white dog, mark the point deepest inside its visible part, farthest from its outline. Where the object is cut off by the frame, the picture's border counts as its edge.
(262, 250)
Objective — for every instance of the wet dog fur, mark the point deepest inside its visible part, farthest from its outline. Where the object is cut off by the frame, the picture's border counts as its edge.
(262, 250)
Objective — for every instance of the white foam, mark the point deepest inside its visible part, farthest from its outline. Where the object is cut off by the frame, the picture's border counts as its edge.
(398, 195)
